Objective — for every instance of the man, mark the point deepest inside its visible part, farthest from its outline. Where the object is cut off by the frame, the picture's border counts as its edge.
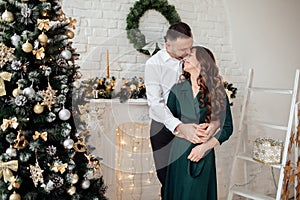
(162, 71)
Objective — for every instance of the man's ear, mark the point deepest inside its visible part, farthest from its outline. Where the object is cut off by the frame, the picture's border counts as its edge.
(168, 44)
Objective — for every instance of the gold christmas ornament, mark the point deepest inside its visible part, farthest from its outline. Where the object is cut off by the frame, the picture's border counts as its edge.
(70, 34)
(13, 123)
(14, 196)
(4, 76)
(13, 183)
(7, 16)
(6, 54)
(72, 22)
(20, 142)
(42, 135)
(43, 24)
(75, 179)
(39, 54)
(79, 146)
(27, 47)
(5, 169)
(59, 167)
(62, 16)
(72, 190)
(45, 13)
(43, 38)
(16, 92)
(38, 108)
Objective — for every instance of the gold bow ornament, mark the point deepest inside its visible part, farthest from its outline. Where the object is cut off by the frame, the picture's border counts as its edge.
(39, 54)
(59, 167)
(43, 24)
(42, 135)
(5, 169)
(4, 76)
(72, 22)
(13, 123)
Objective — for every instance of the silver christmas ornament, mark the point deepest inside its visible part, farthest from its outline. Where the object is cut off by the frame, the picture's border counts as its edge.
(85, 184)
(29, 92)
(11, 152)
(64, 114)
(66, 54)
(51, 117)
(68, 143)
(15, 39)
(76, 84)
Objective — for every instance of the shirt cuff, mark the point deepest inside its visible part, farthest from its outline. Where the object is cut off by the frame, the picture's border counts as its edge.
(171, 124)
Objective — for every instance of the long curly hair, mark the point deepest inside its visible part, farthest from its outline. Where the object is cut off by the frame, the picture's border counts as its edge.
(212, 92)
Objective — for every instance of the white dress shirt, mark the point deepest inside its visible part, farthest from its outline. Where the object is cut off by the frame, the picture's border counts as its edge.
(161, 73)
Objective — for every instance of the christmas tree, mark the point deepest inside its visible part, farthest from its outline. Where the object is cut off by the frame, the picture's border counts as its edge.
(43, 151)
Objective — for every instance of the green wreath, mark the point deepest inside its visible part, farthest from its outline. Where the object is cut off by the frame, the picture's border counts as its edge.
(135, 36)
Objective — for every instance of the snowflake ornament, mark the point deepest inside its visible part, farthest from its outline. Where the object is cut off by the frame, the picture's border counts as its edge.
(36, 174)
(6, 54)
(49, 96)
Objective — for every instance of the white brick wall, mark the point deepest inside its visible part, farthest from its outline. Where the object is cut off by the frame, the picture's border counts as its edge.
(101, 25)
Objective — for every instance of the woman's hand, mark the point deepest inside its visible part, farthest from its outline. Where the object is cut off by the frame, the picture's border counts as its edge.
(198, 152)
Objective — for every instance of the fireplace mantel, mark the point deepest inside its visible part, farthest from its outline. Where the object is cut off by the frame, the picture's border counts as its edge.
(104, 118)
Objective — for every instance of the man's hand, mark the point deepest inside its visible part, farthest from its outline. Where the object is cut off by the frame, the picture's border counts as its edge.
(206, 130)
(188, 132)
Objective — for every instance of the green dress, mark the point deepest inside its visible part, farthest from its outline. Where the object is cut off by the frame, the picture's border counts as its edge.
(188, 180)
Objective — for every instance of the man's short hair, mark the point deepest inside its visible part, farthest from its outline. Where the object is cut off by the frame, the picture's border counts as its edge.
(178, 30)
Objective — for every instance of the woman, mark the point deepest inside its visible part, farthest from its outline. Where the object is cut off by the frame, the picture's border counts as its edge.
(200, 98)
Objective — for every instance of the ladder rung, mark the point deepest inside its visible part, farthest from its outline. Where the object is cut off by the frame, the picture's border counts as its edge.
(250, 194)
(248, 157)
(270, 90)
(273, 126)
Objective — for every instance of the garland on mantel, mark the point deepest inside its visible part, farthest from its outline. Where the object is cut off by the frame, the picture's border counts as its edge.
(135, 36)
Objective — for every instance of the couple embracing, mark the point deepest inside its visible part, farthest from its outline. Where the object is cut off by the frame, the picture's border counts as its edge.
(190, 115)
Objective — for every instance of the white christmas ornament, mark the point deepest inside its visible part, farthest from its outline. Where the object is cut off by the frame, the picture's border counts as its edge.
(11, 152)
(68, 143)
(29, 92)
(85, 184)
(66, 54)
(64, 114)
(15, 39)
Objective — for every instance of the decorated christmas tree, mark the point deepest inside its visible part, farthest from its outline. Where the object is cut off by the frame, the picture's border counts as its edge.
(43, 150)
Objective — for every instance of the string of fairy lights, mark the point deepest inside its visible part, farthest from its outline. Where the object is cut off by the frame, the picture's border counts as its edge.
(134, 162)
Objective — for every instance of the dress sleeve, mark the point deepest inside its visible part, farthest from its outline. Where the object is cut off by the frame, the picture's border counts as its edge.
(226, 128)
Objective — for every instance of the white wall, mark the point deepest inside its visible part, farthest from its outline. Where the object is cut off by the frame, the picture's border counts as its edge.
(265, 36)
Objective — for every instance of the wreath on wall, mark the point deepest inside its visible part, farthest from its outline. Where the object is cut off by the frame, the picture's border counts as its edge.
(135, 36)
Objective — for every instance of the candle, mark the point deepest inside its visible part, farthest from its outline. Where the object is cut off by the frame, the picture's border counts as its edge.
(107, 64)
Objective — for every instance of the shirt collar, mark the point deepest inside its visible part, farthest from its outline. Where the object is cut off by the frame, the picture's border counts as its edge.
(166, 56)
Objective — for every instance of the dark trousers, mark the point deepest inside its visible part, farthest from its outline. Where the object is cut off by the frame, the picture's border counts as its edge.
(161, 141)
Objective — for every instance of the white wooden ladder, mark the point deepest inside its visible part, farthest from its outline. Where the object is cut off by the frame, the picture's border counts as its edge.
(243, 157)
